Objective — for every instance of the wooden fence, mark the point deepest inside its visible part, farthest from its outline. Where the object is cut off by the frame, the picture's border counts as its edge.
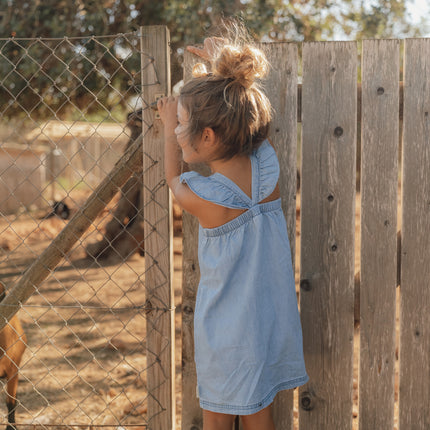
(327, 106)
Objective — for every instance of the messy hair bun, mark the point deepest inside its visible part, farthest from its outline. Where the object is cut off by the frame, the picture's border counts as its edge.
(241, 64)
(229, 100)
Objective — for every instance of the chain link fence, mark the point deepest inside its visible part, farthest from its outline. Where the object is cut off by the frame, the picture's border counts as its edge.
(71, 108)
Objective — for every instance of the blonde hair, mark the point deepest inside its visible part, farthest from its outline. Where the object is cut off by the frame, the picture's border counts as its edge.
(229, 100)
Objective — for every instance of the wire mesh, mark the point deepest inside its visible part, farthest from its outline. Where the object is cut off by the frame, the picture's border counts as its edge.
(70, 107)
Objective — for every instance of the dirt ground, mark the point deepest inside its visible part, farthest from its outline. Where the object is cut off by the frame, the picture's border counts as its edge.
(85, 361)
(86, 357)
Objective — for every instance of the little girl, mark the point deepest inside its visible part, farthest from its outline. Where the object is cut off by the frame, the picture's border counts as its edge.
(248, 339)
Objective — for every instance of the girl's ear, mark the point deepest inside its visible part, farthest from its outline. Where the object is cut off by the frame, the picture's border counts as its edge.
(209, 136)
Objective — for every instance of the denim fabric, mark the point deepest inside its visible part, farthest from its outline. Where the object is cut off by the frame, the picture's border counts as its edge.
(247, 332)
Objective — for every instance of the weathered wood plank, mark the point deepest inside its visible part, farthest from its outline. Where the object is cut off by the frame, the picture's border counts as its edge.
(415, 293)
(379, 179)
(329, 103)
(158, 237)
(191, 412)
(299, 102)
(281, 89)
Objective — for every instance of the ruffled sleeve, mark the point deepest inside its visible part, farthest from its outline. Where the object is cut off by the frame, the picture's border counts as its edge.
(267, 170)
(214, 190)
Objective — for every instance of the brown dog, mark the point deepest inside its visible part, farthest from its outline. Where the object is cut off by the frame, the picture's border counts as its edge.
(12, 346)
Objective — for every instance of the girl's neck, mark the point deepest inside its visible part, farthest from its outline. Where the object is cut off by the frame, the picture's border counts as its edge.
(238, 170)
(231, 166)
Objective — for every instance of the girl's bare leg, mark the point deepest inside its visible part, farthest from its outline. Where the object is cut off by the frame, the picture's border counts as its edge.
(216, 421)
(261, 420)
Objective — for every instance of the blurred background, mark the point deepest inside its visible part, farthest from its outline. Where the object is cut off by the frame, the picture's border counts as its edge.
(190, 21)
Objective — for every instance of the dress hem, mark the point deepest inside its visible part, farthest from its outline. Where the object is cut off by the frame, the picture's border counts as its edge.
(255, 407)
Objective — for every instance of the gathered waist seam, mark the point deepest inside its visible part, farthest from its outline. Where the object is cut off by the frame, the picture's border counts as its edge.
(241, 219)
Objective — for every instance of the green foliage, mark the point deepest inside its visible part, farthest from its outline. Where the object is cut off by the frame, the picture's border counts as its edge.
(67, 77)
(36, 72)
(382, 19)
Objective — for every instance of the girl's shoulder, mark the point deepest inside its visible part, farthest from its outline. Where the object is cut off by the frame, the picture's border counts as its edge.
(207, 199)
(266, 156)
(267, 171)
(221, 190)
(216, 189)
(217, 194)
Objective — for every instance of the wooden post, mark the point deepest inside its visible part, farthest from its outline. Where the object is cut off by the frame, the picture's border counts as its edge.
(158, 235)
(415, 292)
(191, 413)
(329, 103)
(281, 89)
(378, 273)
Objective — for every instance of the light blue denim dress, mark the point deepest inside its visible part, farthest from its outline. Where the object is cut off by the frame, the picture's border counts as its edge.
(247, 332)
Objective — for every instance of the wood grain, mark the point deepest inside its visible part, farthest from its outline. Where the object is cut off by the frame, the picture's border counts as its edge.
(415, 292)
(329, 103)
(281, 88)
(379, 179)
(158, 237)
(192, 417)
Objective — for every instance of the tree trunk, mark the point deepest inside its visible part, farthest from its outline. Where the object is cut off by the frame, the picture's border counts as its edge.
(123, 235)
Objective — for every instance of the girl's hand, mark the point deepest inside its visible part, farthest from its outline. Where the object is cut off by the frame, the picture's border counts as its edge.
(168, 109)
(211, 46)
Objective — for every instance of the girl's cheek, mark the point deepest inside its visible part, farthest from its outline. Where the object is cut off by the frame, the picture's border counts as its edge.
(181, 134)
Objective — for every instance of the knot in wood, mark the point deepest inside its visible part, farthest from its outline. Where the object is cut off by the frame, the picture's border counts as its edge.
(338, 131)
(330, 198)
(380, 91)
(188, 310)
(334, 248)
(305, 285)
(306, 401)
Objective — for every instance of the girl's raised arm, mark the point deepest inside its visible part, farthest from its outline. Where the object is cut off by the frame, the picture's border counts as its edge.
(173, 163)
(211, 46)
(168, 109)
